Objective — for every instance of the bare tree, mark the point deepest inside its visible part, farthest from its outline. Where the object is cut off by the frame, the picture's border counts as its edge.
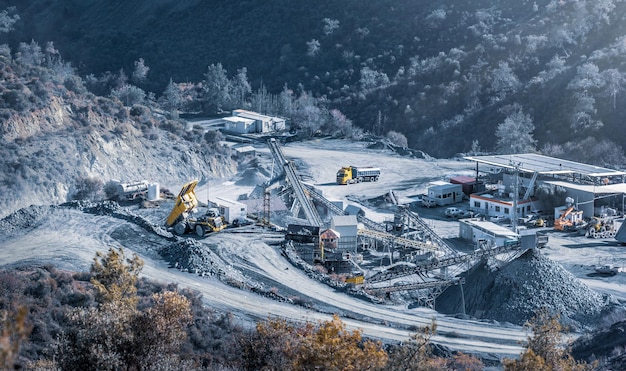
(614, 83)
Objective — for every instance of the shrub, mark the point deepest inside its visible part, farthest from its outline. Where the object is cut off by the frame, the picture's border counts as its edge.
(88, 188)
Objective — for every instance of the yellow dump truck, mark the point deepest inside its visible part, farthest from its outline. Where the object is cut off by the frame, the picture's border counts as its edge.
(182, 217)
(353, 174)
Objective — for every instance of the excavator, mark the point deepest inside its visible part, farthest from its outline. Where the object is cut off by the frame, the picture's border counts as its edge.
(568, 219)
(182, 217)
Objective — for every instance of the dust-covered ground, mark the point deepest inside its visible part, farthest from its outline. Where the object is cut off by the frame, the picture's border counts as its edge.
(247, 272)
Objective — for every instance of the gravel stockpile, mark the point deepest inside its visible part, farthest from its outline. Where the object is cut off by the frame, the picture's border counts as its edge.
(516, 291)
(23, 219)
(191, 256)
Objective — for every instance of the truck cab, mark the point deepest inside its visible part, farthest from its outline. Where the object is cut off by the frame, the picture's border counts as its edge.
(344, 175)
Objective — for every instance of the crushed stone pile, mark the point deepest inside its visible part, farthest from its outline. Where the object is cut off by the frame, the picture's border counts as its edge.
(516, 291)
(252, 177)
(24, 219)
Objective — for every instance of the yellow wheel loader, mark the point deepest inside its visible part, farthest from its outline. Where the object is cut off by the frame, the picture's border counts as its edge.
(183, 217)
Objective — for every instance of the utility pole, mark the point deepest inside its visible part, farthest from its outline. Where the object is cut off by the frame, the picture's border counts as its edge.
(515, 197)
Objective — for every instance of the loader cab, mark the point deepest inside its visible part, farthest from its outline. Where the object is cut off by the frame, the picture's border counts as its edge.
(213, 212)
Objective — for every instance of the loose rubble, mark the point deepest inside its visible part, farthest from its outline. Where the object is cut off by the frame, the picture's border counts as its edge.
(516, 291)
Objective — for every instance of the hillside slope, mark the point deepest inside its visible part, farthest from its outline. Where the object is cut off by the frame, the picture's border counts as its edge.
(441, 72)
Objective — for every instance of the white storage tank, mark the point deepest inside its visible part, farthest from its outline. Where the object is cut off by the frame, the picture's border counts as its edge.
(154, 191)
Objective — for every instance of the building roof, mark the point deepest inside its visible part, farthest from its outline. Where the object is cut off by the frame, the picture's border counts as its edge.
(445, 186)
(344, 220)
(462, 179)
(595, 189)
(532, 162)
(330, 233)
(491, 228)
(235, 119)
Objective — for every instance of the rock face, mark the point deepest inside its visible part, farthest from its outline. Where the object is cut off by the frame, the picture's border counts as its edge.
(516, 291)
(46, 150)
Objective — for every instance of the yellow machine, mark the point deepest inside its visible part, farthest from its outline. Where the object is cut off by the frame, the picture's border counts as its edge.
(181, 217)
(601, 228)
(353, 174)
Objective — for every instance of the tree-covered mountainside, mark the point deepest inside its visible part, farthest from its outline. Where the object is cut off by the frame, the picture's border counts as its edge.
(446, 74)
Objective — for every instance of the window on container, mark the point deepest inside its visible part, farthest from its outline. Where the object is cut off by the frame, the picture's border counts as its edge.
(476, 203)
(506, 210)
(497, 208)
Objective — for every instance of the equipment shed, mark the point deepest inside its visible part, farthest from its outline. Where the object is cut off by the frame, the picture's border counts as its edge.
(467, 183)
(479, 230)
(230, 209)
(446, 194)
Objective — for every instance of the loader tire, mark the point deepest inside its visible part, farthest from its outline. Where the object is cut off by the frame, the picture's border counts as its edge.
(180, 228)
(200, 230)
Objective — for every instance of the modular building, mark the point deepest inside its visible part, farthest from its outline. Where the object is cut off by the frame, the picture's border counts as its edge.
(492, 205)
(239, 125)
(479, 231)
(261, 123)
(229, 209)
(445, 194)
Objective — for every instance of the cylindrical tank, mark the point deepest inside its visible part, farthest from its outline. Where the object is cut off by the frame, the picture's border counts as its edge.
(154, 191)
(127, 188)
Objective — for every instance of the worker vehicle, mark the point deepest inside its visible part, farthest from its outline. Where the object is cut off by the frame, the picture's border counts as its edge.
(129, 191)
(353, 174)
(183, 217)
(568, 220)
(601, 227)
(453, 212)
(607, 269)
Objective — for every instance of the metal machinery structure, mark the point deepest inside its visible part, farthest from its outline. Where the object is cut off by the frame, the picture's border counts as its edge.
(182, 219)
(430, 277)
(410, 234)
(301, 200)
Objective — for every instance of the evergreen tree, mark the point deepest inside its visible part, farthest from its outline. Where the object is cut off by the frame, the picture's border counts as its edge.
(216, 89)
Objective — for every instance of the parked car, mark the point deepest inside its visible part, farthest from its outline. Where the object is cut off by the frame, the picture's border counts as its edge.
(499, 219)
(453, 212)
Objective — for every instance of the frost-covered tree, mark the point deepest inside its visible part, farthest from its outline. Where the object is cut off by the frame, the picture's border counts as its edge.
(140, 73)
(397, 138)
(313, 47)
(587, 80)
(172, 98)
(503, 81)
(330, 25)
(129, 95)
(308, 115)
(240, 88)
(217, 88)
(8, 17)
(371, 79)
(29, 54)
(614, 83)
(515, 134)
